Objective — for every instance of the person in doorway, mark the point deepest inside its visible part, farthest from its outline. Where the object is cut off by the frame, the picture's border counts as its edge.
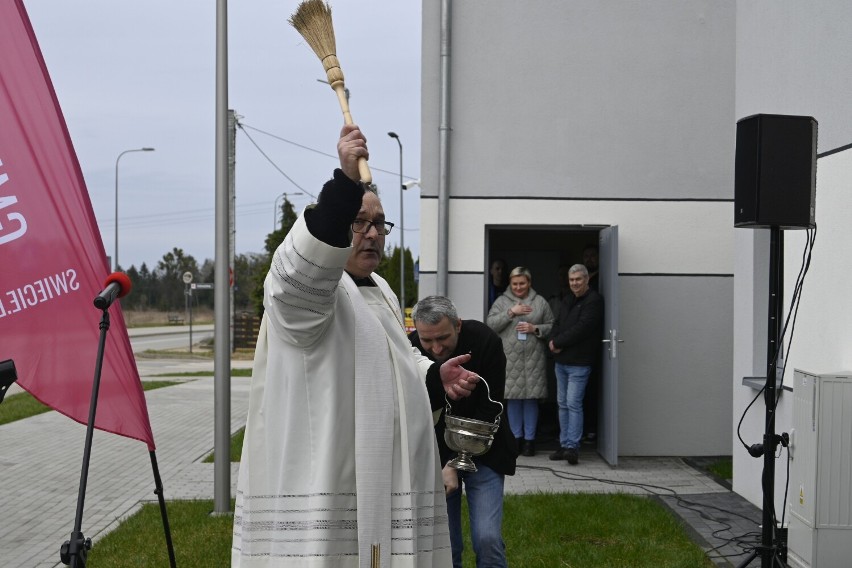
(548, 420)
(441, 335)
(574, 342)
(497, 280)
(523, 319)
(339, 463)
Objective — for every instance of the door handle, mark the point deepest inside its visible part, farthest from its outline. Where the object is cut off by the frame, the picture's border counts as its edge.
(613, 343)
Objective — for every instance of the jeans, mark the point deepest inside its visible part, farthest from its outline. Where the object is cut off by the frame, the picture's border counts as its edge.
(571, 381)
(523, 417)
(484, 489)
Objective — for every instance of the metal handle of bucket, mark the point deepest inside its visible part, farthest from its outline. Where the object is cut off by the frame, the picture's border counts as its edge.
(488, 389)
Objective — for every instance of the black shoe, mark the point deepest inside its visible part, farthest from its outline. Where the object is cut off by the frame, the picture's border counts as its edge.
(572, 456)
(528, 448)
(559, 454)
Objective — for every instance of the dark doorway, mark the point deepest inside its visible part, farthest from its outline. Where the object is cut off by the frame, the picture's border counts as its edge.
(547, 252)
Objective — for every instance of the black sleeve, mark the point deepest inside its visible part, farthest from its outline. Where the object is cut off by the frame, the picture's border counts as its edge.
(493, 370)
(338, 205)
(433, 377)
(489, 362)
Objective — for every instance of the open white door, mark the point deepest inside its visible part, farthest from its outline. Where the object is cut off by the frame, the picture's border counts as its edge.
(608, 403)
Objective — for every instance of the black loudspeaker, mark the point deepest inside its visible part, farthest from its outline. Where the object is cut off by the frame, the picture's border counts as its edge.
(775, 172)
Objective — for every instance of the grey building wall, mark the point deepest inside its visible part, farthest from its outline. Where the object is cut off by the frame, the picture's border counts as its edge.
(594, 99)
(604, 109)
(792, 58)
(675, 355)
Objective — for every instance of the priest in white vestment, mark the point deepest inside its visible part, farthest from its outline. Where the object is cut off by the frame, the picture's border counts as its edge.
(340, 466)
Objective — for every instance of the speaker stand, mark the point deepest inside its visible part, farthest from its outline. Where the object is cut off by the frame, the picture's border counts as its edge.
(773, 539)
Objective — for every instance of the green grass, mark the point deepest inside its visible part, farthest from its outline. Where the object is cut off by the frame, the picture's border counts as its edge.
(197, 353)
(236, 447)
(23, 404)
(151, 385)
(546, 531)
(199, 538)
(20, 405)
(174, 354)
(723, 469)
(234, 373)
(592, 530)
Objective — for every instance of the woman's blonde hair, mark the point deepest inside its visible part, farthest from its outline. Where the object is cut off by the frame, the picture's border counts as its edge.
(521, 271)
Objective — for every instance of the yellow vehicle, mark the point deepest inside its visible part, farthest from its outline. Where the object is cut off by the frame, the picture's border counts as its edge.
(409, 323)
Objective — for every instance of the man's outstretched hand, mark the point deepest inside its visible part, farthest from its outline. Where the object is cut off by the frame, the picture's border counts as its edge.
(458, 382)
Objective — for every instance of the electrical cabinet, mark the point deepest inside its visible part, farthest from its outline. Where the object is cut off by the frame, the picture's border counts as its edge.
(820, 493)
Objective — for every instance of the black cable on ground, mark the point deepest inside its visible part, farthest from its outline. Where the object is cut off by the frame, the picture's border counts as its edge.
(659, 491)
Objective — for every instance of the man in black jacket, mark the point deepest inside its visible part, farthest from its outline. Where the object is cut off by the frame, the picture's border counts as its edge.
(574, 342)
(440, 335)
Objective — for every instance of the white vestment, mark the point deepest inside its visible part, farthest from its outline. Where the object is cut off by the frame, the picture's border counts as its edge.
(339, 452)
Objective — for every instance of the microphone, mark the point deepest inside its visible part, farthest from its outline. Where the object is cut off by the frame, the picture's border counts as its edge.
(117, 285)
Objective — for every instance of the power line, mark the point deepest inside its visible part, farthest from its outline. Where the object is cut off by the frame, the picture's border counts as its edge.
(194, 215)
(274, 165)
(185, 216)
(302, 146)
(245, 210)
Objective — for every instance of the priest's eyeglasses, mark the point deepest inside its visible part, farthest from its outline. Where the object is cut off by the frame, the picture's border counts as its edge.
(363, 226)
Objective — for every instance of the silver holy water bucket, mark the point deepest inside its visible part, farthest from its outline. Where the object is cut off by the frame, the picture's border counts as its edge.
(469, 437)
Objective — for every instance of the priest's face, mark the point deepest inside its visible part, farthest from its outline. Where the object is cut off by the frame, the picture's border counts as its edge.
(440, 339)
(367, 247)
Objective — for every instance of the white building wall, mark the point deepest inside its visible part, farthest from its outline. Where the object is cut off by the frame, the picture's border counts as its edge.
(792, 58)
(693, 243)
(616, 113)
(584, 98)
(632, 100)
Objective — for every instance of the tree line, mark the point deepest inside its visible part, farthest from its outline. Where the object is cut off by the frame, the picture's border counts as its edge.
(163, 288)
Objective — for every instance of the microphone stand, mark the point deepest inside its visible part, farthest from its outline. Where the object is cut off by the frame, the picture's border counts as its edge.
(73, 552)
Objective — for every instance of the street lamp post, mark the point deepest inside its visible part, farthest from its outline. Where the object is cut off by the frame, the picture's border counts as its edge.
(345, 89)
(115, 258)
(277, 209)
(401, 229)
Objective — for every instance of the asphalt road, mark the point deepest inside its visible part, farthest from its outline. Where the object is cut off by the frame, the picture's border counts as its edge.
(167, 337)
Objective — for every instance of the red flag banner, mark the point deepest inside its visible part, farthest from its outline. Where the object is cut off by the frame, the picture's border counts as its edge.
(52, 259)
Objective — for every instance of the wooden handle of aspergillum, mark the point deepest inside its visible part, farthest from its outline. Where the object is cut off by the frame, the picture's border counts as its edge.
(363, 168)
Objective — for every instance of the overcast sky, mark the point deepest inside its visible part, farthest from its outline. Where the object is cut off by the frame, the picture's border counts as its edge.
(142, 74)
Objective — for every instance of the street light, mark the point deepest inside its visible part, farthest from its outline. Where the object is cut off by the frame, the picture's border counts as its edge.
(401, 228)
(276, 208)
(345, 89)
(115, 259)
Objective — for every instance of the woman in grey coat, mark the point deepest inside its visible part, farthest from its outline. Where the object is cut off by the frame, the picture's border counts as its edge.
(523, 320)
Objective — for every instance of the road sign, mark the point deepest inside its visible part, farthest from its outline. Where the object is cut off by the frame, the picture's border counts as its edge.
(187, 277)
(201, 286)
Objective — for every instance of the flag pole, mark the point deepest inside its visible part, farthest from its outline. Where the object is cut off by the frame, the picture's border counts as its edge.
(158, 490)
